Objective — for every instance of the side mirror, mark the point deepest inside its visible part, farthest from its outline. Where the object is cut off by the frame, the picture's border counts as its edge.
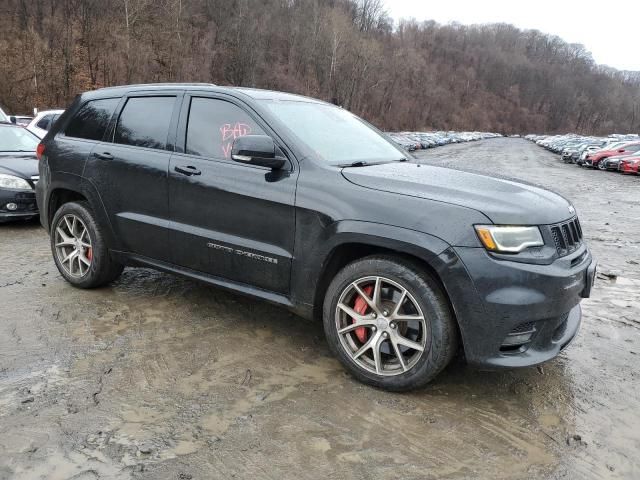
(13, 119)
(257, 150)
(622, 150)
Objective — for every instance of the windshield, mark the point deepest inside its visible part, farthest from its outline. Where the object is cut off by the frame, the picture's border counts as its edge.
(15, 139)
(336, 136)
(3, 116)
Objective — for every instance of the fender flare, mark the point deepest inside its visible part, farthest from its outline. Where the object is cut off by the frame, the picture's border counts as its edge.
(316, 255)
(77, 184)
(404, 240)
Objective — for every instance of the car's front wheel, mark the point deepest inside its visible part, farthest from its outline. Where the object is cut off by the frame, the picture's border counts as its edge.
(389, 323)
(79, 248)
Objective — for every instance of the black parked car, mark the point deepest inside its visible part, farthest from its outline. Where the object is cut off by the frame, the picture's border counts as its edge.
(303, 204)
(18, 173)
(613, 163)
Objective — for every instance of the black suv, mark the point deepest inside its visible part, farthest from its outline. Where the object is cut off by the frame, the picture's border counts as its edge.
(305, 205)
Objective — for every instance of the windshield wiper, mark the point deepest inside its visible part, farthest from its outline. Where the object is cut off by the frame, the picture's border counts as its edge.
(361, 163)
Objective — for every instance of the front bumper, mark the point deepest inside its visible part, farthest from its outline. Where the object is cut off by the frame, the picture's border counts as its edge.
(627, 168)
(498, 300)
(24, 200)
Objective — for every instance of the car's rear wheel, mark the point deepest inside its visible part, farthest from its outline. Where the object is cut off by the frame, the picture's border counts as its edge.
(79, 249)
(389, 323)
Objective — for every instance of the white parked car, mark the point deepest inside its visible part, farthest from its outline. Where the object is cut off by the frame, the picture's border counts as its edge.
(41, 124)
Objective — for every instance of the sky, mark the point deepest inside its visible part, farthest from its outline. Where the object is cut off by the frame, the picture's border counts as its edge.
(609, 30)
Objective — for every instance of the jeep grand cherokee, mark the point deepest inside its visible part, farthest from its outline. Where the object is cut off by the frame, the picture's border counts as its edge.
(303, 204)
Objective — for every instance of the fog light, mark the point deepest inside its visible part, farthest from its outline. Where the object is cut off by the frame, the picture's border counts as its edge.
(11, 206)
(517, 339)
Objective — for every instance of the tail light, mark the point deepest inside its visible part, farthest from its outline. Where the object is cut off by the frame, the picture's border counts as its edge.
(40, 150)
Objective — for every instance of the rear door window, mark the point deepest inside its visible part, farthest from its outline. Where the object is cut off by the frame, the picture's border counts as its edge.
(633, 148)
(44, 122)
(214, 124)
(144, 122)
(92, 119)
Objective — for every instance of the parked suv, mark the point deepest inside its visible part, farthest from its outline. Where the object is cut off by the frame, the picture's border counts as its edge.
(303, 204)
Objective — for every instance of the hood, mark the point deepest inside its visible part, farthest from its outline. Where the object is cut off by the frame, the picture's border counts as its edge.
(504, 201)
(24, 166)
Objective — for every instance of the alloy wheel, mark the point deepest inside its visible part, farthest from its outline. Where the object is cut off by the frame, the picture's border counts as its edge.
(381, 326)
(73, 246)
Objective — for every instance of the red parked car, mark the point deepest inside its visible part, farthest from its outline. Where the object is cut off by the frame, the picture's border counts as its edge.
(595, 159)
(630, 165)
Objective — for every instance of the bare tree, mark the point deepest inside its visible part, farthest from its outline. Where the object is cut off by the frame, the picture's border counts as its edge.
(413, 76)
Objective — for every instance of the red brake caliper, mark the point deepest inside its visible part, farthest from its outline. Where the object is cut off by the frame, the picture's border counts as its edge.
(361, 306)
(89, 253)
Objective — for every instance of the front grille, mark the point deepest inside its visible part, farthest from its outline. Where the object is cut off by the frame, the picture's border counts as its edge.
(567, 236)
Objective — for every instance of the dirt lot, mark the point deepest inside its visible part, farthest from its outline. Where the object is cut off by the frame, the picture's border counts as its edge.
(162, 378)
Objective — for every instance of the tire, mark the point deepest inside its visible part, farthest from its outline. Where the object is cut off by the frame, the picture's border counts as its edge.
(601, 165)
(92, 265)
(402, 367)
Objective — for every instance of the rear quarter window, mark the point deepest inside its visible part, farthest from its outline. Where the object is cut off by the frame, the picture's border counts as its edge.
(43, 123)
(92, 119)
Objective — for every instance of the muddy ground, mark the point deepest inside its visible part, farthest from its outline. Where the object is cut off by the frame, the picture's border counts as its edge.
(158, 377)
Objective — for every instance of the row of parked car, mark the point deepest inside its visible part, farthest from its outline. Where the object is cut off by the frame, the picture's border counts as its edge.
(619, 153)
(412, 141)
(38, 125)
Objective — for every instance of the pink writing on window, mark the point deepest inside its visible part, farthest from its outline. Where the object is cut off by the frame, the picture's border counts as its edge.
(230, 133)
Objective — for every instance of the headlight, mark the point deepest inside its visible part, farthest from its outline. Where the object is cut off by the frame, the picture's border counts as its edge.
(13, 183)
(509, 239)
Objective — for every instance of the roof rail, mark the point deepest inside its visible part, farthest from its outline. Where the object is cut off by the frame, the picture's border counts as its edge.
(163, 84)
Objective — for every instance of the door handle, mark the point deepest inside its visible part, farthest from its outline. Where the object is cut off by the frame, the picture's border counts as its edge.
(188, 170)
(103, 155)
